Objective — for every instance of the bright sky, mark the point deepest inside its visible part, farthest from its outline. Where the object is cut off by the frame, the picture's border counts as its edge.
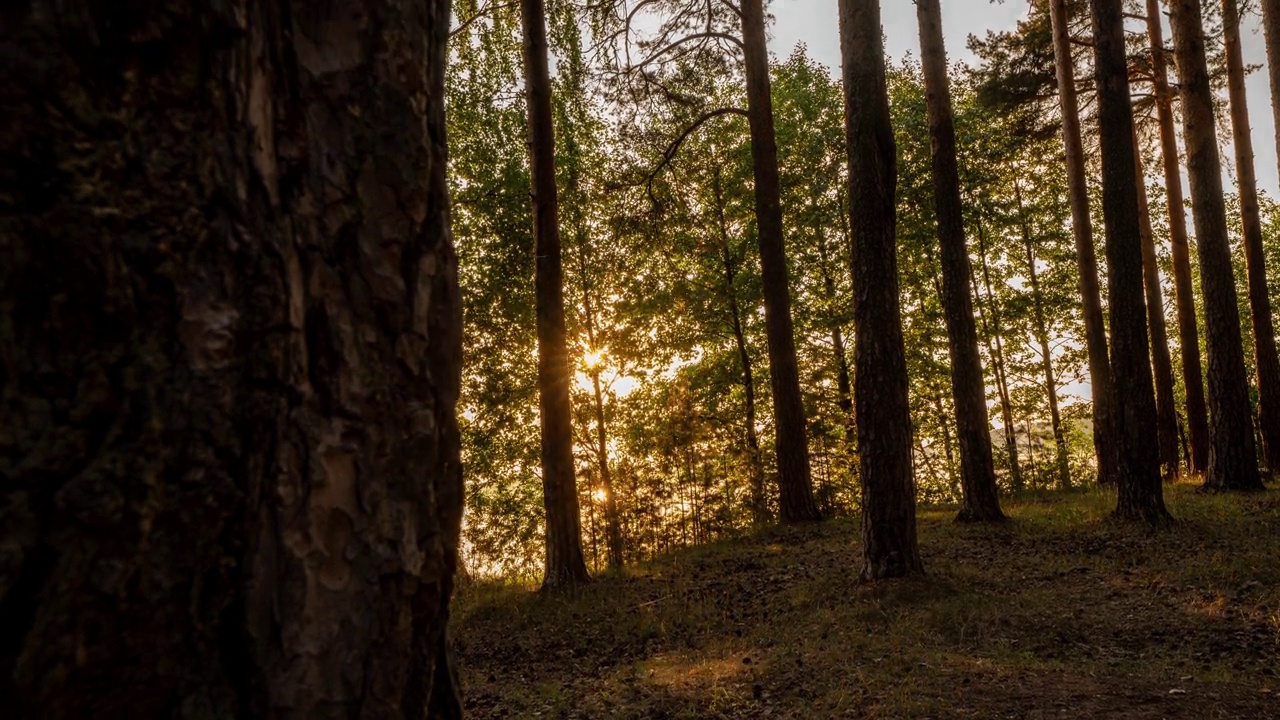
(813, 22)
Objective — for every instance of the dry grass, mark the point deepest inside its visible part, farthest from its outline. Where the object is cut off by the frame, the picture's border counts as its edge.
(1060, 614)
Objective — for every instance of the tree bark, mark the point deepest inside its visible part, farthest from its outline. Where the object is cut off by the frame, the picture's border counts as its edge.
(565, 564)
(1184, 292)
(889, 546)
(1137, 467)
(795, 486)
(232, 360)
(1232, 462)
(1161, 363)
(981, 502)
(1104, 421)
(1264, 335)
(1046, 352)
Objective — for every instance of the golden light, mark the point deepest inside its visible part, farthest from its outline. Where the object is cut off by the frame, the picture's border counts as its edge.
(593, 359)
(599, 495)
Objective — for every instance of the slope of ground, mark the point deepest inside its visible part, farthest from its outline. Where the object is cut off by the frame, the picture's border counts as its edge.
(1061, 613)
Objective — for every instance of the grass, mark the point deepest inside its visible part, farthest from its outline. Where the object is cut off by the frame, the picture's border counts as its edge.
(1061, 613)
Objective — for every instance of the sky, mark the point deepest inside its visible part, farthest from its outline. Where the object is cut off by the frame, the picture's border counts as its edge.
(813, 22)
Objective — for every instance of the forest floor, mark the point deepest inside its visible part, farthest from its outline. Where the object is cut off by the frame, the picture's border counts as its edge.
(1061, 613)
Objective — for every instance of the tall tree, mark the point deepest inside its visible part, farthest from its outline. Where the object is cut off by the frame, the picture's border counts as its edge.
(1161, 362)
(565, 564)
(234, 323)
(890, 547)
(1040, 329)
(1104, 416)
(1267, 363)
(1232, 462)
(977, 470)
(1137, 466)
(1188, 328)
(794, 483)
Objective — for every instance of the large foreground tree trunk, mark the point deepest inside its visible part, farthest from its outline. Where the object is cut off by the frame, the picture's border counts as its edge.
(1264, 335)
(1180, 252)
(1137, 466)
(1232, 462)
(795, 486)
(981, 502)
(889, 546)
(1161, 362)
(1104, 441)
(565, 564)
(232, 343)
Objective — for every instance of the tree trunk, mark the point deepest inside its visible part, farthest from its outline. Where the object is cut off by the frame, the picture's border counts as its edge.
(758, 507)
(1046, 352)
(844, 388)
(1137, 468)
(794, 484)
(1104, 421)
(612, 521)
(889, 546)
(977, 470)
(996, 352)
(1264, 334)
(1188, 330)
(1232, 462)
(232, 322)
(1161, 363)
(564, 561)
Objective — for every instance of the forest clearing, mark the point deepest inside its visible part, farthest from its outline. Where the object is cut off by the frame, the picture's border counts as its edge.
(1060, 613)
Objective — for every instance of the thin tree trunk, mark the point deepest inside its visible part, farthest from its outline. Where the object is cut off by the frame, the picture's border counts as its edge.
(794, 484)
(1264, 334)
(1184, 292)
(844, 389)
(977, 469)
(613, 525)
(997, 361)
(1232, 461)
(564, 561)
(230, 451)
(759, 508)
(1141, 495)
(1104, 440)
(1046, 352)
(889, 546)
(1161, 363)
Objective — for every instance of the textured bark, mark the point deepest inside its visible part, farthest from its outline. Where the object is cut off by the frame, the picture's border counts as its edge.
(231, 328)
(1041, 332)
(1104, 440)
(795, 486)
(981, 502)
(996, 351)
(565, 564)
(889, 547)
(1264, 334)
(1184, 292)
(1161, 362)
(1137, 467)
(1232, 462)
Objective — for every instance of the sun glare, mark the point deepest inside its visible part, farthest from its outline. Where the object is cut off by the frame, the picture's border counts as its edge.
(599, 495)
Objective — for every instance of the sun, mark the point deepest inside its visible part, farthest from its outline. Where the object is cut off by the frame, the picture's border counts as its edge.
(599, 495)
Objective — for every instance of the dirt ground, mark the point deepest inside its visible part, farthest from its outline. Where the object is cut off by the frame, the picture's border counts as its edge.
(1061, 613)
